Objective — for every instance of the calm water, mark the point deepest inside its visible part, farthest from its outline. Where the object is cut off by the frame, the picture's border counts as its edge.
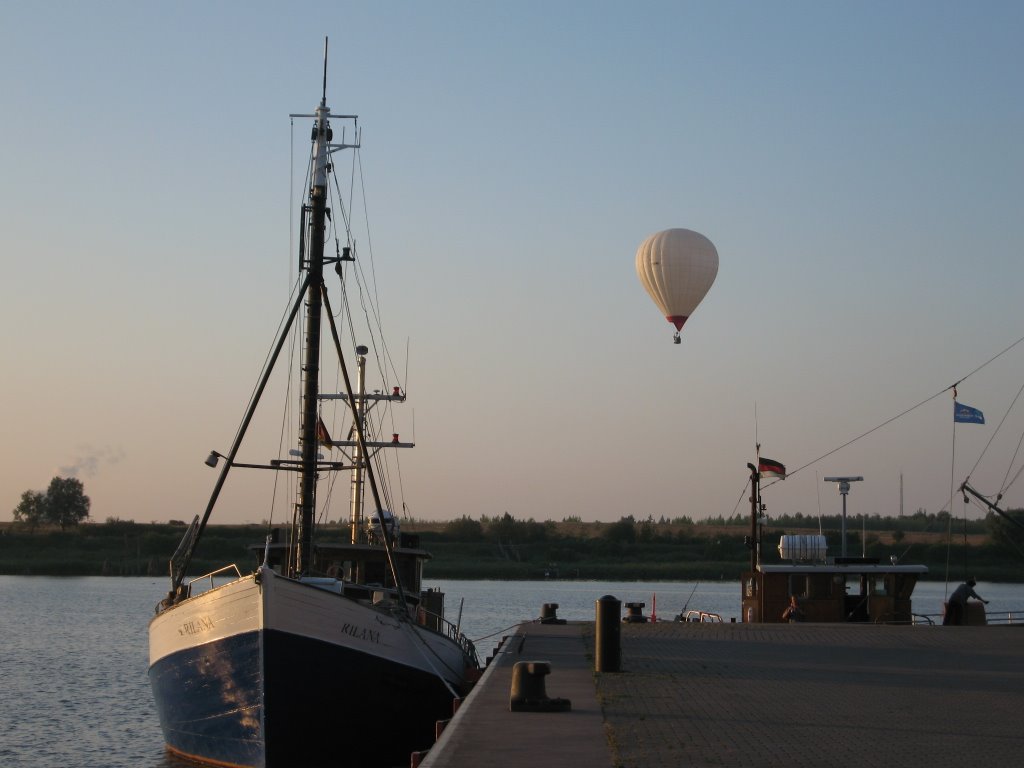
(73, 652)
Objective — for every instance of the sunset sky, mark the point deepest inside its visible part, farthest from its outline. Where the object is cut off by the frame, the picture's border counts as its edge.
(859, 167)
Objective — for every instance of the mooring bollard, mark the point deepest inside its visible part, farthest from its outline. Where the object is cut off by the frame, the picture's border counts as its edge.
(607, 635)
(528, 692)
(635, 613)
(549, 614)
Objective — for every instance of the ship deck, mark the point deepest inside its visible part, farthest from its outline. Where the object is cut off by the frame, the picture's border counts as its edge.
(692, 694)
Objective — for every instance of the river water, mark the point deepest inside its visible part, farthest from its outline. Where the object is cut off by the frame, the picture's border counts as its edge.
(73, 652)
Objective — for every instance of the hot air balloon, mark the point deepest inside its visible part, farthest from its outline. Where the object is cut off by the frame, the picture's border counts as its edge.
(677, 267)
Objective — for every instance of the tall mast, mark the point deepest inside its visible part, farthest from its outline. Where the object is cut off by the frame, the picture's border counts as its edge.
(358, 459)
(314, 264)
(754, 540)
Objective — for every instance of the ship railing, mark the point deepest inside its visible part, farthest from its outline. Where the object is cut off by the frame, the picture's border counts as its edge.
(441, 625)
(702, 616)
(897, 619)
(992, 618)
(210, 577)
(1004, 617)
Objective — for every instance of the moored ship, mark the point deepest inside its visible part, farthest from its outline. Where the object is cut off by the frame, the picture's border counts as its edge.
(821, 588)
(328, 653)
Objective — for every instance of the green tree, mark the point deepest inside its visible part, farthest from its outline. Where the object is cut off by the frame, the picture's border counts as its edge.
(31, 509)
(1005, 533)
(464, 529)
(66, 502)
(623, 532)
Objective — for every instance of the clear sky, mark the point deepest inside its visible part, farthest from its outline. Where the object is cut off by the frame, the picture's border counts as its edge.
(859, 167)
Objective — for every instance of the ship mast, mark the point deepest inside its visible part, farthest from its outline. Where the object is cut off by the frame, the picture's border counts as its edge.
(358, 458)
(314, 265)
(756, 508)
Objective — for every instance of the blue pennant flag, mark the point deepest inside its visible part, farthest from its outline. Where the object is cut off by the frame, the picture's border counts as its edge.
(964, 414)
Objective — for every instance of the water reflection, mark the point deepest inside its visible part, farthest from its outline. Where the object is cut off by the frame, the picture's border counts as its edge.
(76, 651)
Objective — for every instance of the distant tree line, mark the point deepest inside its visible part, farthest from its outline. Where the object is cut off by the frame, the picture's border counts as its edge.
(629, 528)
(503, 547)
(63, 503)
(919, 521)
(514, 539)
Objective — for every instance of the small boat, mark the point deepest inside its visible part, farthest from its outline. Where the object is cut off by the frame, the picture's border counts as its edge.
(819, 587)
(329, 652)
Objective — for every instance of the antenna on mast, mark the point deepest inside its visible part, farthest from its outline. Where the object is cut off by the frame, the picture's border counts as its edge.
(323, 99)
(843, 484)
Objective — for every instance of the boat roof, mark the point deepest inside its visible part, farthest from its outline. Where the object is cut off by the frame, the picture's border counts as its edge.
(844, 568)
(345, 547)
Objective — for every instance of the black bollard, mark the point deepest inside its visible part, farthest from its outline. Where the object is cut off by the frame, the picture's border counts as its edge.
(635, 613)
(607, 635)
(528, 693)
(549, 614)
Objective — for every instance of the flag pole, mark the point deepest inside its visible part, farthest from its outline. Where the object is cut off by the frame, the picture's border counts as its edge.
(952, 482)
(755, 505)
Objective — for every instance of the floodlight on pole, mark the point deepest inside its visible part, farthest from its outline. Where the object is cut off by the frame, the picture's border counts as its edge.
(843, 484)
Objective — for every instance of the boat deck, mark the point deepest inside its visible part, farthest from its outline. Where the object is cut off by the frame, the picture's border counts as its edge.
(753, 695)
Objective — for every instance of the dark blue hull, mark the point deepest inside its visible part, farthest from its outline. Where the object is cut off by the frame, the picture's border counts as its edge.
(272, 699)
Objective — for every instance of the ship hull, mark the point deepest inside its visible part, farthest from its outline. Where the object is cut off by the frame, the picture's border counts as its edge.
(270, 672)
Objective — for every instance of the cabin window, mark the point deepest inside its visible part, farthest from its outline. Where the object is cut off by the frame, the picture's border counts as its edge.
(878, 586)
(407, 573)
(373, 573)
(838, 586)
(904, 586)
(855, 585)
(798, 585)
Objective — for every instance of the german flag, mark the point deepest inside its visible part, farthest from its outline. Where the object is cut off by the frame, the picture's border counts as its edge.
(322, 435)
(770, 468)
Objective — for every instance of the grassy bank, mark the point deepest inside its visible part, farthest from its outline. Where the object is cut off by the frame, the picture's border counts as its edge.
(608, 551)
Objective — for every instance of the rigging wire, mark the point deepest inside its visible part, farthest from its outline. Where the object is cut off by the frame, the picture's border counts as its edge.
(953, 387)
(859, 437)
(373, 271)
(404, 623)
(505, 629)
(366, 292)
(374, 419)
(370, 303)
(270, 352)
(1016, 477)
(740, 499)
(899, 415)
(1006, 486)
(358, 163)
(993, 437)
(286, 429)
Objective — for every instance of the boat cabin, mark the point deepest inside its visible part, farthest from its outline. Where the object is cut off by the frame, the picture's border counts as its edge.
(362, 568)
(851, 589)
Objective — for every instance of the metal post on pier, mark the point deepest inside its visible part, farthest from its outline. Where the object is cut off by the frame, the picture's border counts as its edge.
(608, 634)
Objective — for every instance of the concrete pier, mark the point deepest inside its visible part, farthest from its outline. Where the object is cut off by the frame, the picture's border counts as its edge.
(485, 733)
(753, 695)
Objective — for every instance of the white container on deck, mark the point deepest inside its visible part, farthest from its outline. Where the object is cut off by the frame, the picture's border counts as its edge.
(802, 547)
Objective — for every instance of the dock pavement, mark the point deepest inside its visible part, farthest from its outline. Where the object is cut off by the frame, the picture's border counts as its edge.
(752, 695)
